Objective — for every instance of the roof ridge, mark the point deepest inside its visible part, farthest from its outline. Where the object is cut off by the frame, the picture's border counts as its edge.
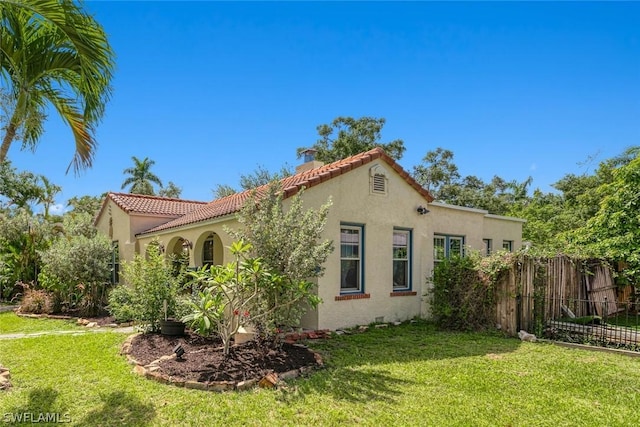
(290, 186)
(149, 196)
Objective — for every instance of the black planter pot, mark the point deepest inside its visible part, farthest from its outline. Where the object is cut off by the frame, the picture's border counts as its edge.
(172, 327)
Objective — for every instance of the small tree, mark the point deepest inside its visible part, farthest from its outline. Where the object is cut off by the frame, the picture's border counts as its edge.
(289, 242)
(240, 293)
(152, 284)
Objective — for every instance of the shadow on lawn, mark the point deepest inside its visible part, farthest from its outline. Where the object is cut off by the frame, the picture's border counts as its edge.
(353, 385)
(421, 341)
(41, 403)
(351, 359)
(120, 409)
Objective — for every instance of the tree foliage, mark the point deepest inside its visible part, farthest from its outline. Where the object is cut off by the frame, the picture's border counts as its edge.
(614, 231)
(440, 176)
(171, 190)
(288, 241)
(75, 267)
(150, 284)
(262, 176)
(85, 204)
(18, 189)
(223, 190)
(52, 53)
(346, 136)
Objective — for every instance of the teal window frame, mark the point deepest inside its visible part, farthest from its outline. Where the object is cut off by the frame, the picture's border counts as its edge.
(447, 240)
(407, 259)
(346, 258)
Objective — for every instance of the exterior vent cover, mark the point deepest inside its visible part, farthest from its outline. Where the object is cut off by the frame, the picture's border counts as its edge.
(379, 183)
(378, 177)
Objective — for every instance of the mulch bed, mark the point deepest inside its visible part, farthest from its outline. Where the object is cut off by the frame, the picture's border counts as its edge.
(205, 362)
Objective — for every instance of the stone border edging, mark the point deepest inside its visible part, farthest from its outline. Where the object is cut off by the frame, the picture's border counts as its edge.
(5, 376)
(79, 320)
(151, 371)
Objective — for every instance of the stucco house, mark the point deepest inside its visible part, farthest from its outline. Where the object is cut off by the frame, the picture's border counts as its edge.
(387, 233)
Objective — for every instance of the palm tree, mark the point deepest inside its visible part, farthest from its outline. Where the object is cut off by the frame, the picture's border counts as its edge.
(49, 191)
(141, 179)
(53, 54)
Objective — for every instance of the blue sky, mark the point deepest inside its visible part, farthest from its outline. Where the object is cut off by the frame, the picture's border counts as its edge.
(211, 90)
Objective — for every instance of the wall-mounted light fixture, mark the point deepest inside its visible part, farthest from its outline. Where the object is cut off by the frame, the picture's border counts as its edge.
(186, 245)
(422, 210)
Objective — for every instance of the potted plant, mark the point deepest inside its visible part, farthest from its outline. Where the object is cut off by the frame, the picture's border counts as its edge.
(171, 326)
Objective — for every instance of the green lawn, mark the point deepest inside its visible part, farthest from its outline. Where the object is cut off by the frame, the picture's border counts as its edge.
(10, 323)
(623, 319)
(407, 375)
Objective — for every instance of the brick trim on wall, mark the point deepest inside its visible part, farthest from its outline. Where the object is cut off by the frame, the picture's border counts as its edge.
(352, 296)
(403, 294)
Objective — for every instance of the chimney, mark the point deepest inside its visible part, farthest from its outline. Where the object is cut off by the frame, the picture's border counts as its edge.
(310, 161)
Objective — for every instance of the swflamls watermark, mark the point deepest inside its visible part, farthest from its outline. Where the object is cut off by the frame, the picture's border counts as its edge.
(36, 417)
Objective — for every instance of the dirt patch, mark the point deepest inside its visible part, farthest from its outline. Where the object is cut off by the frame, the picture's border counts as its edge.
(204, 361)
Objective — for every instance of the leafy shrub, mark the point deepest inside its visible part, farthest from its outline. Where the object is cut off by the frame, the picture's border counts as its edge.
(152, 283)
(239, 294)
(121, 303)
(462, 300)
(37, 302)
(76, 270)
(75, 267)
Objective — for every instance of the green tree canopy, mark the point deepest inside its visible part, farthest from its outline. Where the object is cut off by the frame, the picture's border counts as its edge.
(53, 54)
(140, 178)
(171, 190)
(346, 136)
(18, 189)
(614, 231)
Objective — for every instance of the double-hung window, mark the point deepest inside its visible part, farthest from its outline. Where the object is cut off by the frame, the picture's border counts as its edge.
(507, 245)
(401, 259)
(447, 246)
(351, 260)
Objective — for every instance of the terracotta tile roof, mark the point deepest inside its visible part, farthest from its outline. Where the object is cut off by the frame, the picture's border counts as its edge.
(151, 205)
(290, 185)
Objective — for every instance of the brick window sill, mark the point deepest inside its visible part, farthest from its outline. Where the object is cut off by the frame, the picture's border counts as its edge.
(403, 294)
(347, 297)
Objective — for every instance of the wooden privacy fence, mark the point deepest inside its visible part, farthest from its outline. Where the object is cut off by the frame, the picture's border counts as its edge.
(561, 287)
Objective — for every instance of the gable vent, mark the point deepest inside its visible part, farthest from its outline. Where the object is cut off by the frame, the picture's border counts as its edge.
(379, 183)
(379, 180)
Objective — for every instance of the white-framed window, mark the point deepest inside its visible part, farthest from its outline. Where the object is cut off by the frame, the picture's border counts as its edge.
(401, 259)
(351, 259)
(488, 246)
(207, 251)
(507, 245)
(445, 246)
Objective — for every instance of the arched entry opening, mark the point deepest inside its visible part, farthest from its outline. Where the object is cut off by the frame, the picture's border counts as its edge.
(209, 250)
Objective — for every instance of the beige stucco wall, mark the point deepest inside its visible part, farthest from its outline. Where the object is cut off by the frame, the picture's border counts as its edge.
(115, 223)
(196, 234)
(353, 203)
(499, 228)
